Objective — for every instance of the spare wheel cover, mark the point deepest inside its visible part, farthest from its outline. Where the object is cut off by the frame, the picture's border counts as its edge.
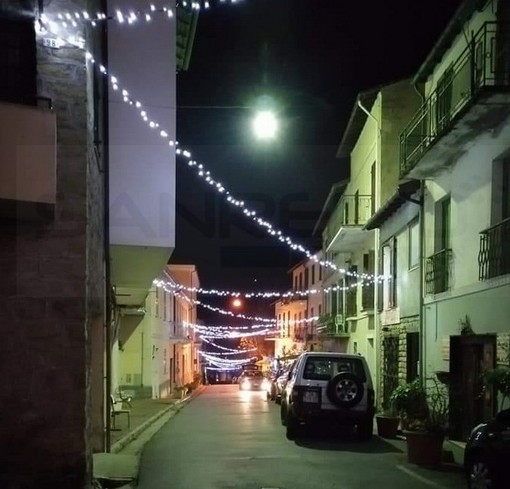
(345, 390)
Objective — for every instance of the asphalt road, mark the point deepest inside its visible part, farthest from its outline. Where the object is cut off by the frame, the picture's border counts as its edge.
(227, 439)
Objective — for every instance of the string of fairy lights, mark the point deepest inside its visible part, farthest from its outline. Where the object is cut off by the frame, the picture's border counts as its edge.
(72, 20)
(206, 176)
(262, 294)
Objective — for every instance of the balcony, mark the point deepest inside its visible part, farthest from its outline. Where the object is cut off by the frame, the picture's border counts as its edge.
(494, 254)
(469, 100)
(28, 176)
(336, 330)
(344, 232)
(437, 272)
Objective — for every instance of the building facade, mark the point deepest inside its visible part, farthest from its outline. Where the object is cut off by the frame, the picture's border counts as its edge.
(157, 351)
(457, 144)
(52, 250)
(370, 147)
(81, 240)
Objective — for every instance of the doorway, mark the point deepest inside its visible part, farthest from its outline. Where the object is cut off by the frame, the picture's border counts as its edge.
(470, 356)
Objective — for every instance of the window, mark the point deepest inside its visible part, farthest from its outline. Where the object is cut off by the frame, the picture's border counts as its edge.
(17, 62)
(320, 272)
(413, 355)
(505, 197)
(389, 269)
(372, 189)
(321, 368)
(442, 225)
(356, 207)
(312, 269)
(414, 244)
(500, 209)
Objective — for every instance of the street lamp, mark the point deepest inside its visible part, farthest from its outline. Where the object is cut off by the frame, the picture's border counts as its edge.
(265, 125)
(237, 303)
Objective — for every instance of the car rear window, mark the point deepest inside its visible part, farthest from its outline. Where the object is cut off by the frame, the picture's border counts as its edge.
(253, 374)
(325, 368)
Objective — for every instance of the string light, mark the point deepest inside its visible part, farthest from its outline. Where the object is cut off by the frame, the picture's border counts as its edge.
(218, 186)
(128, 16)
(206, 175)
(266, 294)
(224, 348)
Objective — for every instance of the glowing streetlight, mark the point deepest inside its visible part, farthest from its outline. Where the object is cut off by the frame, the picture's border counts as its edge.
(237, 303)
(265, 125)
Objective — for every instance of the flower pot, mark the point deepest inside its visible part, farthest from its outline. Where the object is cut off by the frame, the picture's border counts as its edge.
(387, 426)
(424, 448)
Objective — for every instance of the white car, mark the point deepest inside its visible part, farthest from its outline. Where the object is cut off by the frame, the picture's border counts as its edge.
(329, 387)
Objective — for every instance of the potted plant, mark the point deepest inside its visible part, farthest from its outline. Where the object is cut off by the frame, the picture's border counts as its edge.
(388, 422)
(499, 379)
(425, 434)
(409, 401)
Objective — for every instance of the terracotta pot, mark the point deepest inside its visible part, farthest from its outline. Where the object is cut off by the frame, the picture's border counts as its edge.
(424, 448)
(387, 426)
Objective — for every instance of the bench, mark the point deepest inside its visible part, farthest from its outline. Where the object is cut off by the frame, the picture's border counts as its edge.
(117, 409)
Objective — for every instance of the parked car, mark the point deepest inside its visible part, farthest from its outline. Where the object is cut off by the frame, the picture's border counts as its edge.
(253, 380)
(329, 387)
(487, 454)
(281, 382)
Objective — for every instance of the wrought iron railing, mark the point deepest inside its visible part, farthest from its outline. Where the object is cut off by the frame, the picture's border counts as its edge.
(336, 330)
(482, 64)
(351, 210)
(437, 272)
(494, 254)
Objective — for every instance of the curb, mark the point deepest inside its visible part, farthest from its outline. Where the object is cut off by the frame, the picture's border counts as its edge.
(126, 440)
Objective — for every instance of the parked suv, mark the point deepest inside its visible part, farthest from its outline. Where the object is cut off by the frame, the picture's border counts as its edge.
(332, 387)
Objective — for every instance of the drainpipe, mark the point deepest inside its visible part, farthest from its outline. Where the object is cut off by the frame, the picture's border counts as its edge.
(421, 325)
(421, 322)
(377, 238)
(106, 240)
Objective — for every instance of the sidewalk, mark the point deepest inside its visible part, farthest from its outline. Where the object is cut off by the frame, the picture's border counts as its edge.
(147, 417)
(141, 410)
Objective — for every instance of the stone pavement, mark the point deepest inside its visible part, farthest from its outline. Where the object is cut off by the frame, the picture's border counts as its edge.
(121, 465)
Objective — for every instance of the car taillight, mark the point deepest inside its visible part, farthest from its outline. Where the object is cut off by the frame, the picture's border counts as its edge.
(295, 393)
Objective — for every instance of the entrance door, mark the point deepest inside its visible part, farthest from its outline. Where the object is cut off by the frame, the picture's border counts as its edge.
(470, 356)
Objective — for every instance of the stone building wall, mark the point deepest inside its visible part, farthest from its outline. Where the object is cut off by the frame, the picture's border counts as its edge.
(400, 331)
(51, 298)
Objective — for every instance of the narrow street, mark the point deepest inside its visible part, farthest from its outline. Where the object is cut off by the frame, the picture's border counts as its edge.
(226, 439)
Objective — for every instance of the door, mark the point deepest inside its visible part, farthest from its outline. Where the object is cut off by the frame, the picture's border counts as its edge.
(470, 356)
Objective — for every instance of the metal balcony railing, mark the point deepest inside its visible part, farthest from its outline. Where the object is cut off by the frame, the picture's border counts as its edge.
(351, 210)
(437, 272)
(494, 254)
(484, 63)
(336, 330)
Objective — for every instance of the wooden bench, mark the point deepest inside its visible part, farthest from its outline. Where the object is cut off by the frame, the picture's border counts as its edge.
(117, 409)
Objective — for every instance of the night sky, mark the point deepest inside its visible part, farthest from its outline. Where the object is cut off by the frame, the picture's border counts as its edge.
(311, 57)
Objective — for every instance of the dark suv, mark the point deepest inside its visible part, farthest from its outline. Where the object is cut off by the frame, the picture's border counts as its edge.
(332, 387)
